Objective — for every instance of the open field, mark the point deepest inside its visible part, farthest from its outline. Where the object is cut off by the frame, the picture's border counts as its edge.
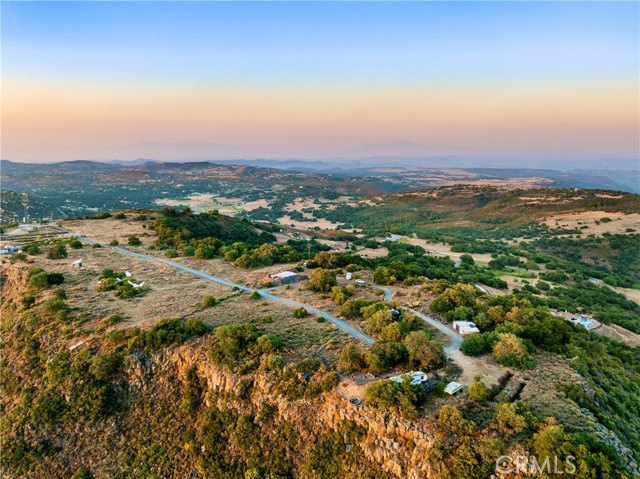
(440, 249)
(483, 366)
(619, 333)
(619, 223)
(206, 202)
(306, 225)
(173, 293)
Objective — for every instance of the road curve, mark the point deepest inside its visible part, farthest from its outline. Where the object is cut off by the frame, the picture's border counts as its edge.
(456, 338)
(339, 323)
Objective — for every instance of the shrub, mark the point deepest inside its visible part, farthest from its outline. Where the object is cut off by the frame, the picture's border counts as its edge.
(114, 242)
(209, 301)
(28, 300)
(474, 345)
(75, 244)
(479, 392)
(32, 249)
(300, 313)
(133, 241)
(57, 251)
(233, 343)
(511, 351)
(351, 359)
(384, 355)
(60, 294)
(120, 216)
(390, 394)
(255, 295)
(541, 285)
(39, 279)
(268, 343)
(51, 307)
(171, 253)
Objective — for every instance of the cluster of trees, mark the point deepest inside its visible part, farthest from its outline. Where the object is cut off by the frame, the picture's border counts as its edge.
(468, 448)
(404, 396)
(514, 327)
(417, 350)
(209, 235)
(40, 279)
(163, 333)
(606, 305)
(612, 257)
(119, 283)
(239, 345)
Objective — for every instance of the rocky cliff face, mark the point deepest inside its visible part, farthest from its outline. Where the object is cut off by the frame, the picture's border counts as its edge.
(396, 445)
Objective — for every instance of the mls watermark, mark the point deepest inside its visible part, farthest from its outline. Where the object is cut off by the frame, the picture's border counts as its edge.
(531, 465)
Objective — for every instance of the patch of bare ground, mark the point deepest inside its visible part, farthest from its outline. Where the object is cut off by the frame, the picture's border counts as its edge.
(444, 249)
(307, 225)
(108, 229)
(632, 294)
(483, 366)
(543, 390)
(173, 293)
(619, 223)
(301, 336)
(619, 333)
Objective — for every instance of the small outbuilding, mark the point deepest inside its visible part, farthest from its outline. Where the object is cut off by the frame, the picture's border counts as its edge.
(286, 277)
(465, 327)
(453, 388)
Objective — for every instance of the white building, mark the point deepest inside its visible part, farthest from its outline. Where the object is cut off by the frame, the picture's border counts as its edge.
(417, 377)
(465, 327)
(393, 238)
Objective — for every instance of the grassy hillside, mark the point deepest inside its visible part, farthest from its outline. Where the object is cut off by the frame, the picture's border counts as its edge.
(172, 222)
(477, 211)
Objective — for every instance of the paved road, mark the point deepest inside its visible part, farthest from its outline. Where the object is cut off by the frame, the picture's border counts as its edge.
(340, 324)
(456, 338)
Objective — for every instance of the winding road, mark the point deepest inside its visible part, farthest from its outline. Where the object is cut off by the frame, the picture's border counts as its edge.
(456, 338)
(339, 323)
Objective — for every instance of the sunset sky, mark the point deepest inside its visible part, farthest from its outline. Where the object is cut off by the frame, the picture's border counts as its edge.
(523, 81)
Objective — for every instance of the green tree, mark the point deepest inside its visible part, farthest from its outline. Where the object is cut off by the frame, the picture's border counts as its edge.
(133, 240)
(511, 351)
(57, 251)
(350, 358)
(451, 420)
(322, 280)
(382, 275)
(474, 345)
(424, 353)
(479, 392)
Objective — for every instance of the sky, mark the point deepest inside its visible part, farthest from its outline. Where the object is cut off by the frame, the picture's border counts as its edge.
(506, 80)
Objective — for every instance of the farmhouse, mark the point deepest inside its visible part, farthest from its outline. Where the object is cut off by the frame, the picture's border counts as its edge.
(393, 237)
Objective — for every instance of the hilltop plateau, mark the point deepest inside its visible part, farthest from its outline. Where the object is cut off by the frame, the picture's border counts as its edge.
(174, 351)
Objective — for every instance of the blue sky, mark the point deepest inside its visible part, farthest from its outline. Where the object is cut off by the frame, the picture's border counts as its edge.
(394, 50)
